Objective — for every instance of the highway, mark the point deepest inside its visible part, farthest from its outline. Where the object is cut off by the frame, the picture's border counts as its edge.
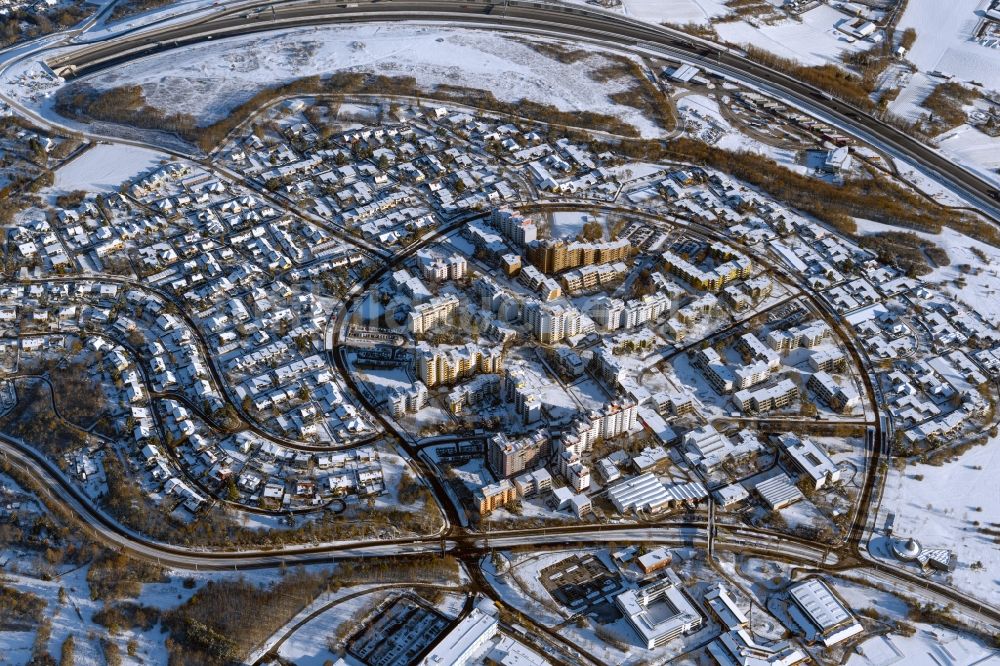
(568, 21)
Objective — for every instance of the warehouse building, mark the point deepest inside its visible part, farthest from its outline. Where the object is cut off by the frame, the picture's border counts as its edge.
(829, 618)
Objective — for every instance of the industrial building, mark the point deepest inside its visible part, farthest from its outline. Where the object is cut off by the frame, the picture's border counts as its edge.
(465, 639)
(814, 600)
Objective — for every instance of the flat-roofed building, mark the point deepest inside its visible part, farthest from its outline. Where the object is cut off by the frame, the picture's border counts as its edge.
(508, 457)
(546, 288)
(495, 495)
(821, 607)
(733, 266)
(725, 610)
(716, 371)
(458, 646)
(778, 492)
(810, 459)
(675, 404)
(556, 255)
(655, 560)
(644, 493)
(440, 365)
(731, 495)
(840, 398)
(738, 647)
(473, 392)
(827, 360)
(766, 399)
(751, 345)
(533, 483)
(520, 230)
(750, 375)
(435, 311)
(707, 448)
(807, 335)
(659, 612)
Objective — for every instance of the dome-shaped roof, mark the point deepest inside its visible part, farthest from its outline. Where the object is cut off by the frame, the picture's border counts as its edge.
(906, 550)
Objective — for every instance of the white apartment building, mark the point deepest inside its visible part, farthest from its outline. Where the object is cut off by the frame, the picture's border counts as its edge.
(437, 269)
(552, 323)
(435, 311)
(807, 335)
(519, 230)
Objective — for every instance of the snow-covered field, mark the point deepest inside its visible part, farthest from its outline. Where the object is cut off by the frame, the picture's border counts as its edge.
(939, 511)
(677, 12)
(674, 11)
(214, 77)
(968, 145)
(980, 292)
(104, 167)
(929, 645)
(813, 41)
(944, 40)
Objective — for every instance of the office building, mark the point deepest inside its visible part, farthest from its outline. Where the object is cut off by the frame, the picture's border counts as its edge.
(659, 612)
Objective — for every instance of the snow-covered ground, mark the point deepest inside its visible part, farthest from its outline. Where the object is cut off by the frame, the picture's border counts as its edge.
(970, 146)
(307, 646)
(980, 292)
(677, 12)
(944, 40)
(930, 645)
(938, 506)
(104, 167)
(815, 40)
(214, 77)
(945, 44)
(703, 111)
(674, 11)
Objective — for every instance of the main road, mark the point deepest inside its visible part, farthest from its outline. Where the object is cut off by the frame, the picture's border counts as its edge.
(572, 22)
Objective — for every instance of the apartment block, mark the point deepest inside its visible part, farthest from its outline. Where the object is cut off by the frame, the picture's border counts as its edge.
(520, 230)
(495, 495)
(438, 365)
(546, 288)
(731, 265)
(552, 323)
(807, 335)
(472, 393)
(715, 370)
(437, 269)
(556, 255)
(766, 399)
(427, 315)
(840, 398)
(507, 457)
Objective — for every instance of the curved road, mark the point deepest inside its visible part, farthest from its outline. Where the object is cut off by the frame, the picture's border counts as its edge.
(569, 21)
